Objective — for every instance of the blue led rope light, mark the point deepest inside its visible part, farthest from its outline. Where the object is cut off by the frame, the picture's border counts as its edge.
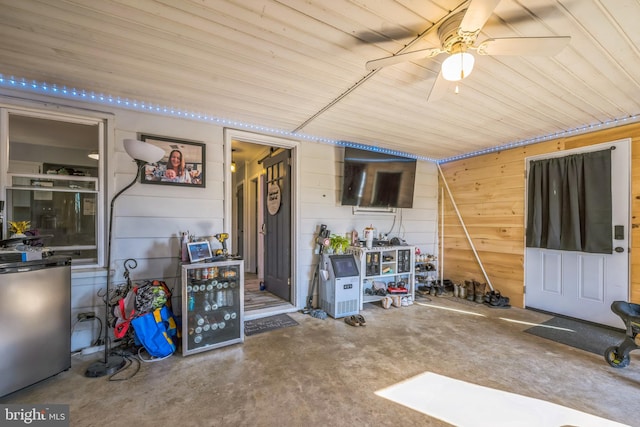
(90, 96)
(87, 96)
(575, 131)
(381, 150)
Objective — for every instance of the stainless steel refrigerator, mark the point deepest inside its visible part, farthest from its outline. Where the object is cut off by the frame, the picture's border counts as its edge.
(35, 317)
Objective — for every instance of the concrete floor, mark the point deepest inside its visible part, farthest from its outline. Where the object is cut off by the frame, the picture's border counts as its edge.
(325, 373)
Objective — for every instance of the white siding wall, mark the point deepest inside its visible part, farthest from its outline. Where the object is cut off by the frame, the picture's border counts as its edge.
(148, 218)
(319, 198)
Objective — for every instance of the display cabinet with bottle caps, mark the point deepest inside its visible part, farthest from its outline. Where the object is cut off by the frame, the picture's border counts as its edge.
(212, 305)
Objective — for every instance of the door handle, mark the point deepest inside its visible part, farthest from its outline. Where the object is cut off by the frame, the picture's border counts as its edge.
(619, 249)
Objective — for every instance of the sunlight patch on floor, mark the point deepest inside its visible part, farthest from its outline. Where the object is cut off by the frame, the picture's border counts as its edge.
(450, 309)
(443, 398)
(536, 324)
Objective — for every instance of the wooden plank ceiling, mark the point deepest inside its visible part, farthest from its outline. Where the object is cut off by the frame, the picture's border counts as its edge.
(299, 65)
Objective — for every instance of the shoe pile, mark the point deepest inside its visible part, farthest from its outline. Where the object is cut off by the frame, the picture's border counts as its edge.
(396, 301)
(472, 290)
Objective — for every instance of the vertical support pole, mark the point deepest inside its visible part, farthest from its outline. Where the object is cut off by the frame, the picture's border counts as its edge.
(464, 227)
(441, 258)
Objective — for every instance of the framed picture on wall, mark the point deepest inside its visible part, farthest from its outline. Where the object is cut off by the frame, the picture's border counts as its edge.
(183, 163)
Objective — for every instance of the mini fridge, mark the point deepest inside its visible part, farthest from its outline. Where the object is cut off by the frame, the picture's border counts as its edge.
(212, 305)
(35, 314)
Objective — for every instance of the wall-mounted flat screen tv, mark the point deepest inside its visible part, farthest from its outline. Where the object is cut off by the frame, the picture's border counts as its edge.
(373, 179)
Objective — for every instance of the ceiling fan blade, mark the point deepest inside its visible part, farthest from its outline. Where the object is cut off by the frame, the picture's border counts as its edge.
(477, 15)
(402, 57)
(439, 89)
(397, 34)
(544, 46)
(539, 11)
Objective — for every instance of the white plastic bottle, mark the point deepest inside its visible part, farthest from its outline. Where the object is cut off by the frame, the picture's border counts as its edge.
(184, 254)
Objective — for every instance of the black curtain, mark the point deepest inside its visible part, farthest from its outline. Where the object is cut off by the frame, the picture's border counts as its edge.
(569, 203)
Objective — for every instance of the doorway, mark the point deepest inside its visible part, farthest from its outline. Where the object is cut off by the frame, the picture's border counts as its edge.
(580, 284)
(252, 228)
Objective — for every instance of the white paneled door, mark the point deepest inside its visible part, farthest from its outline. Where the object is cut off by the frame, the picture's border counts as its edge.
(583, 285)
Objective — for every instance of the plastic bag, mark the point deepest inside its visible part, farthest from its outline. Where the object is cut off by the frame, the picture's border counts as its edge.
(155, 331)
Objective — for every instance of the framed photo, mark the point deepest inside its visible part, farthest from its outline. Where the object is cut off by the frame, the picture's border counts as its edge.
(199, 251)
(183, 163)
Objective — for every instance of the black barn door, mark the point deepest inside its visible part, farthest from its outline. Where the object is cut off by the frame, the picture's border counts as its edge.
(277, 225)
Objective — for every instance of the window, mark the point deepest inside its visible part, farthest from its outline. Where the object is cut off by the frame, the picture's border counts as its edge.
(53, 183)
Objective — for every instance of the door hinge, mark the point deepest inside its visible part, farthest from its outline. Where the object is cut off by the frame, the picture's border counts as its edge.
(288, 281)
(524, 289)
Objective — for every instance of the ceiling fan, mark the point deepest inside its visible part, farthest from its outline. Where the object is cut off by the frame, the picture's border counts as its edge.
(458, 35)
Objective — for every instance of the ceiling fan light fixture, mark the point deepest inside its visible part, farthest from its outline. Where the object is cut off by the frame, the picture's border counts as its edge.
(457, 66)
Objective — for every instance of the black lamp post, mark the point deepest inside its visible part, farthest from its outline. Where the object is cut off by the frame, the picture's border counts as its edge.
(142, 153)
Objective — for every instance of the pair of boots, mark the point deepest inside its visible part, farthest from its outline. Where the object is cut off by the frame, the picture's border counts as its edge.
(474, 291)
(436, 290)
(459, 290)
